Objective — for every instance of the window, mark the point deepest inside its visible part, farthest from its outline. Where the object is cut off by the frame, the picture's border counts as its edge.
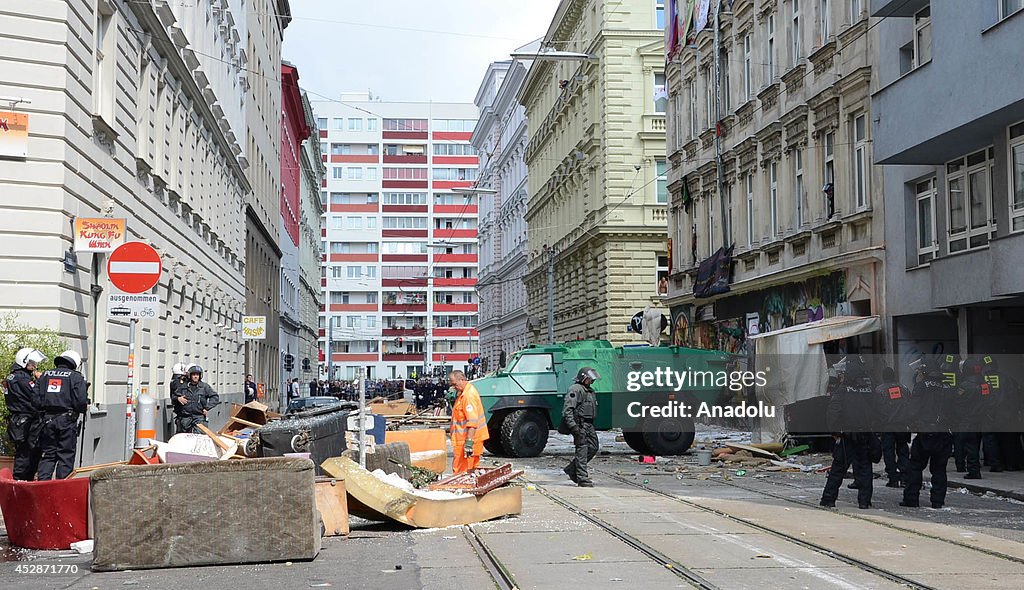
(336, 172)
(404, 198)
(340, 247)
(354, 222)
(340, 149)
(709, 98)
(727, 218)
(661, 169)
(748, 81)
(371, 320)
(693, 109)
(923, 36)
(339, 298)
(353, 321)
(1009, 7)
(798, 187)
(405, 174)
(533, 363)
(451, 149)
(339, 124)
(405, 125)
(709, 208)
(371, 124)
(371, 174)
(660, 93)
(795, 40)
(855, 10)
(371, 223)
(454, 125)
(455, 174)
(355, 173)
(105, 49)
(371, 297)
(324, 148)
(769, 50)
(405, 223)
(371, 272)
(659, 14)
(828, 174)
(371, 248)
(353, 272)
(926, 244)
(355, 124)
(321, 122)
(372, 149)
(1016, 153)
(748, 184)
(773, 198)
(968, 183)
(824, 21)
(336, 272)
(726, 85)
(860, 162)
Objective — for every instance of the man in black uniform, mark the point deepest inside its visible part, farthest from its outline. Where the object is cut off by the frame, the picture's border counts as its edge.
(933, 445)
(194, 401)
(894, 413)
(251, 391)
(973, 393)
(62, 394)
(24, 423)
(578, 413)
(853, 441)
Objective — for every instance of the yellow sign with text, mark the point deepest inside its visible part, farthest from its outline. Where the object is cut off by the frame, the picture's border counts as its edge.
(99, 235)
(254, 327)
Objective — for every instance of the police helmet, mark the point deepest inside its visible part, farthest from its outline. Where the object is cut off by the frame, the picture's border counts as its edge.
(178, 369)
(924, 366)
(195, 369)
(27, 355)
(69, 357)
(587, 373)
(971, 365)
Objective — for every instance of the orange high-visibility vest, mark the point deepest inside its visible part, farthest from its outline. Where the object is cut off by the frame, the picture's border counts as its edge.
(468, 412)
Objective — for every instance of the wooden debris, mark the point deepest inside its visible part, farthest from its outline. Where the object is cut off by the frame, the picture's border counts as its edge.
(477, 481)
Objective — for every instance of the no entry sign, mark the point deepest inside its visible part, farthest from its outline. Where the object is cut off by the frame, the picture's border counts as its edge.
(134, 267)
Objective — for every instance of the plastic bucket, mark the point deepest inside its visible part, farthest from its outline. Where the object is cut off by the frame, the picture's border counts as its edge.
(703, 457)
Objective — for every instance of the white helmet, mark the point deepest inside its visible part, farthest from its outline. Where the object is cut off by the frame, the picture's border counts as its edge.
(179, 369)
(72, 357)
(27, 355)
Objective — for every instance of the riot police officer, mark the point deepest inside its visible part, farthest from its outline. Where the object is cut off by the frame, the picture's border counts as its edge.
(193, 401)
(578, 413)
(853, 439)
(973, 393)
(178, 378)
(62, 394)
(933, 445)
(893, 405)
(24, 423)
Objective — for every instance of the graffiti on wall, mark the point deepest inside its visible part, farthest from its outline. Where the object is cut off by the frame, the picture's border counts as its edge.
(727, 335)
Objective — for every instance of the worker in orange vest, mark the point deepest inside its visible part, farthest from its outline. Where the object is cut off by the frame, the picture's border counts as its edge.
(469, 425)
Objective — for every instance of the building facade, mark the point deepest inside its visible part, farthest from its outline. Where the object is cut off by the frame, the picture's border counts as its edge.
(500, 139)
(311, 296)
(953, 173)
(135, 111)
(400, 253)
(596, 211)
(800, 205)
(265, 24)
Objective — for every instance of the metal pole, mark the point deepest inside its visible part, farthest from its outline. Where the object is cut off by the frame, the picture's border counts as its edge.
(362, 417)
(551, 294)
(330, 347)
(718, 134)
(128, 439)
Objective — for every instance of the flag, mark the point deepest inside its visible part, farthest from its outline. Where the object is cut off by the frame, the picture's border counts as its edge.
(714, 274)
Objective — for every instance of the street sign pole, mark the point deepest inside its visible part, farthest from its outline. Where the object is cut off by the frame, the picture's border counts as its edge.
(128, 439)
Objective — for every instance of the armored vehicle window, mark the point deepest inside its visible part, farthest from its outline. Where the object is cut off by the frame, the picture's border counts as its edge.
(533, 363)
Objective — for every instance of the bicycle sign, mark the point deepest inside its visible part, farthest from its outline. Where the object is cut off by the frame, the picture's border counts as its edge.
(139, 307)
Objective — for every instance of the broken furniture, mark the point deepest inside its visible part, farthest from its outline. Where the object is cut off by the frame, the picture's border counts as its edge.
(374, 499)
(251, 415)
(44, 514)
(319, 432)
(156, 516)
(477, 481)
(332, 502)
(427, 447)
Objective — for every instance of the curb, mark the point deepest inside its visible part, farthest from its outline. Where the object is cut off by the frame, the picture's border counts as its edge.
(982, 488)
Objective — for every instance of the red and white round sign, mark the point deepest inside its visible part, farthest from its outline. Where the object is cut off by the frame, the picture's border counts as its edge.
(134, 267)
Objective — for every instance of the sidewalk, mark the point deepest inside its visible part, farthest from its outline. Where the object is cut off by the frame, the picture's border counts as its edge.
(1008, 484)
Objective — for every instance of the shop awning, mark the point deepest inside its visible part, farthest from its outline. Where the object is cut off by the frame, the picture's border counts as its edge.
(829, 329)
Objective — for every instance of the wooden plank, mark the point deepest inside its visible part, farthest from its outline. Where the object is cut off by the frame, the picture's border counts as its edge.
(332, 502)
(753, 450)
(245, 422)
(213, 436)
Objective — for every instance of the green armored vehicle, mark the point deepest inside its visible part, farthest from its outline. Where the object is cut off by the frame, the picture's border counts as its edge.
(524, 401)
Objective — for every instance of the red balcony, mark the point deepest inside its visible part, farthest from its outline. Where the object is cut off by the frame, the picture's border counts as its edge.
(448, 184)
(402, 356)
(355, 208)
(452, 135)
(402, 332)
(323, 332)
(356, 356)
(404, 184)
(407, 159)
(442, 282)
(403, 233)
(454, 333)
(404, 258)
(457, 160)
(404, 283)
(323, 282)
(356, 159)
(449, 234)
(405, 208)
(456, 209)
(455, 258)
(323, 157)
(353, 307)
(354, 257)
(323, 232)
(404, 307)
(405, 135)
(451, 357)
(455, 307)
(323, 133)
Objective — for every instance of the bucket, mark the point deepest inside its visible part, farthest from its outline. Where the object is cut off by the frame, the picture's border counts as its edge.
(703, 457)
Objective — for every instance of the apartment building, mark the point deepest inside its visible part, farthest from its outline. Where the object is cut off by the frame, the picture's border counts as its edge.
(800, 206)
(400, 244)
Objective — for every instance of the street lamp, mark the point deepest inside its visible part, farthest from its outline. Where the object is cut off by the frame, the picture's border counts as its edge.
(552, 55)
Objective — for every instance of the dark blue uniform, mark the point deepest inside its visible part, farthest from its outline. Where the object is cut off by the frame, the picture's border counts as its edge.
(933, 444)
(893, 403)
(62, 396)
(854, 441)
(24, 423)
(199, 397)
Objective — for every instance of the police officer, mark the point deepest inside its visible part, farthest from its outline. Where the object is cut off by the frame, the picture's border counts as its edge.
(193, 401)
(24, 422)
(973, 393)
(933, 444)
(894, 411)
(995, 410)
(62, 394)
(853, 440)
(178, 378)
(578, 413)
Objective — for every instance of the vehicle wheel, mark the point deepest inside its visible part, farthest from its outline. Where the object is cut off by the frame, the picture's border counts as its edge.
(635, 440)
(524, 433)
(668, 436)
(493, 446)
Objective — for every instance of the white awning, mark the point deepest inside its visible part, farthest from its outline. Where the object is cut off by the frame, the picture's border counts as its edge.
(828, 329)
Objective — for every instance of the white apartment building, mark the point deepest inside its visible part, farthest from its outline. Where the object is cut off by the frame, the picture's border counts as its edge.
(400, 247)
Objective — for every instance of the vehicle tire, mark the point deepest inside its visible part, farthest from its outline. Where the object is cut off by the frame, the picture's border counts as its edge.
(493, 446)
(524, 433)
(668, 436)
(635, 440)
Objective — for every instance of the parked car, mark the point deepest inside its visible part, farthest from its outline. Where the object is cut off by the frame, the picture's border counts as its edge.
(307, 403)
